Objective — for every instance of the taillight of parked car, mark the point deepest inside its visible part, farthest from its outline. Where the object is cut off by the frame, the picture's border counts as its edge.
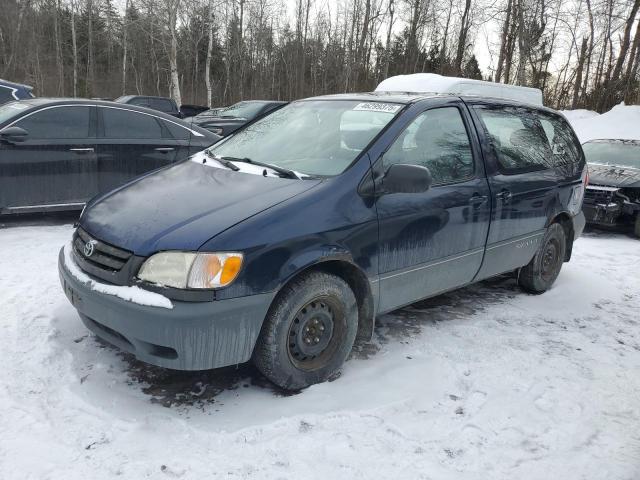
(585, 176)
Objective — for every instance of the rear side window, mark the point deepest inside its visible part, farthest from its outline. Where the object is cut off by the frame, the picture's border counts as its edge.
(162, 105)
(140, 101)
(562, 142)
(129, 125)
(6, 94)
(58, 122)
(177, 132)
(518, 138)
(436, 139)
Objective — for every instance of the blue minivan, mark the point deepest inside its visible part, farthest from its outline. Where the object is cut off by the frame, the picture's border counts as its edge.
(283, 242)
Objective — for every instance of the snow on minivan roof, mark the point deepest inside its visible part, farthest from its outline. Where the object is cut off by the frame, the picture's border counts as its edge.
(434, 83)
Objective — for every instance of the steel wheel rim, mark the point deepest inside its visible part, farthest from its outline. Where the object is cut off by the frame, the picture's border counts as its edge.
(550, 259)
(314, 333)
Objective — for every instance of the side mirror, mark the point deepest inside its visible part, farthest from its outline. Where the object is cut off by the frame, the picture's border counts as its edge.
(13, 134)
(402, 178)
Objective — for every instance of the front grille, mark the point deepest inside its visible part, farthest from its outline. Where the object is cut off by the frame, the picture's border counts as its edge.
(104, 256)
(599, 195)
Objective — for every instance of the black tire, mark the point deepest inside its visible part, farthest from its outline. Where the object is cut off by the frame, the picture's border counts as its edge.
(308, 332)
(636, 226)
(538, 276)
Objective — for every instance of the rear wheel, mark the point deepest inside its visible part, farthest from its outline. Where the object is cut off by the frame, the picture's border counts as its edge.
(544, 268)
(636, 227)
(308, 332)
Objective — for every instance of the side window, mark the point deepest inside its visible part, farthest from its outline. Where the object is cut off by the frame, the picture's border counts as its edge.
(6, 94)
(438, 140)
(127, 124)
(58, 122)
(518, 138)
(562, 141)
(177, 132)
(139, 101)
(161, 104)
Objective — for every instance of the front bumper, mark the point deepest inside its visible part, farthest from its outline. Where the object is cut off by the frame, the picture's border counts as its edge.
(611, 214)
(190, 336)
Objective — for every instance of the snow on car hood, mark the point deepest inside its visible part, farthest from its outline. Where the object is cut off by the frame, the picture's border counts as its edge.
(621, 122)
(613, 176)
(181, 207)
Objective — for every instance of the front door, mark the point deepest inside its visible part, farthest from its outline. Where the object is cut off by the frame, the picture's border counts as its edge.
(55, 167)
(523, 185)
(433, 241)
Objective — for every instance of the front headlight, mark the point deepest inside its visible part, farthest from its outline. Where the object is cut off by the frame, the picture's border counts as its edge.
(191, 270)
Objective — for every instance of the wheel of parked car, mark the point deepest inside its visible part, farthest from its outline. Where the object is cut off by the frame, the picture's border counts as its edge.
(543, 269)
(636, 227)
(308, 332)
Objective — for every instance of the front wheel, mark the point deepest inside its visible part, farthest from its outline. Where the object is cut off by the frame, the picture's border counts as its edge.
(636, 226)
(308, 332)
(544, 268)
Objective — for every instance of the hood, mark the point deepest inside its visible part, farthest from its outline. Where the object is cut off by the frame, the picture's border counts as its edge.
(181, 207)
(614, 176)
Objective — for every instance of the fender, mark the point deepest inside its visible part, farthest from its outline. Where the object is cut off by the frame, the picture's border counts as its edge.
(314, 256)
(339, 261)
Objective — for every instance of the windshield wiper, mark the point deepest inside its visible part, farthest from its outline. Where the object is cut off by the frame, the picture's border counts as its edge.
(223, 161)
(282, 171)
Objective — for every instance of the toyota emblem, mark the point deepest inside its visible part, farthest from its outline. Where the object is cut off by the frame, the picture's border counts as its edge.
(89, 247)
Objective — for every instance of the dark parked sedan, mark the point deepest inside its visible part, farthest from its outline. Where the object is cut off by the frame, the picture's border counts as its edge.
(237, 115)
(57, 154)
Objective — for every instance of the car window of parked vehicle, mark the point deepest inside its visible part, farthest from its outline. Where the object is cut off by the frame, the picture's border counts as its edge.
(140, 101)
(6, 94)
(622, 153)
(246, 110)
(162, 105)
(517, 137)
(177, 132)
(436, 139)
(209, 113)
(562, 142)
(128, 124)
(314, 137)
(57, 122)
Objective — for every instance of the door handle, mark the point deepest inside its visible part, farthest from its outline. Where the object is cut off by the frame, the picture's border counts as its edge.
(504, 195)
(81, 150)
(476, 200)
(164, 149)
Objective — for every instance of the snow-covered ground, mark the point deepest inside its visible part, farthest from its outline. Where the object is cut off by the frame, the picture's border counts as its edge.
(483, 383)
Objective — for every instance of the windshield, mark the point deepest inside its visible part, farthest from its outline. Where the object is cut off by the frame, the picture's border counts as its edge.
(209, 113)
(317, 137)
(246, 110)
(619, 153)
(9, 110)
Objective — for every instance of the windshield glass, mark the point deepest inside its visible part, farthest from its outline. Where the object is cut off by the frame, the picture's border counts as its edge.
(9, 110)
(318, 137)
(246, 110)
(619, 153)
(209, 113)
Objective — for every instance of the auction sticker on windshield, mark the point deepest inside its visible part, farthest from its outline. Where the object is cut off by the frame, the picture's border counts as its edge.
(377, 107)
